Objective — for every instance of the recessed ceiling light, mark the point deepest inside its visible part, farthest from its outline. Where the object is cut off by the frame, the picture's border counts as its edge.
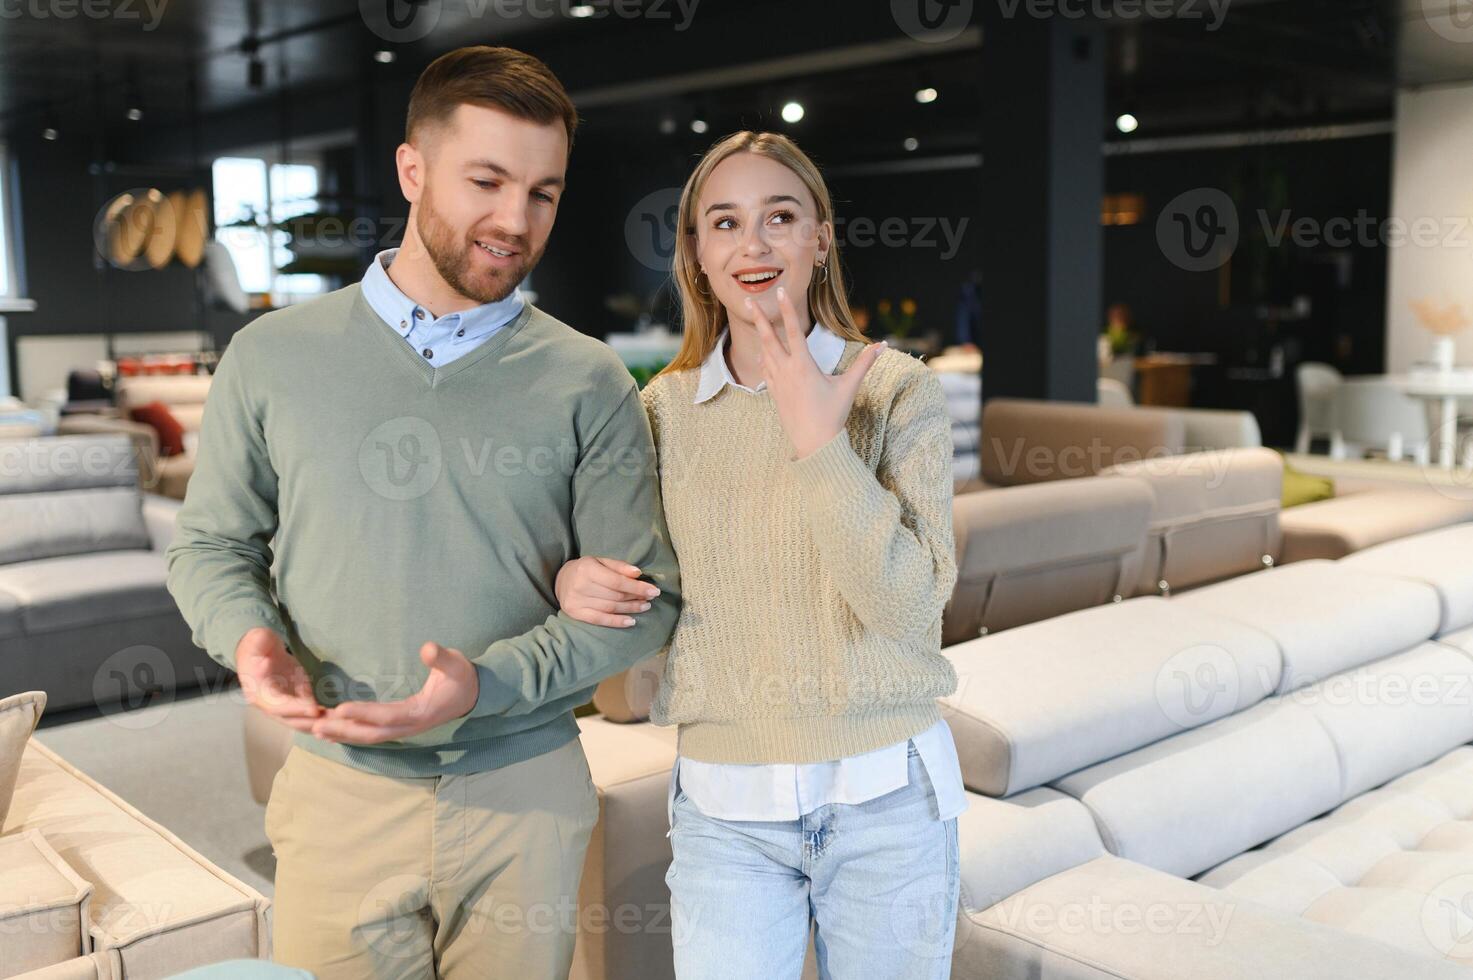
(667, 125)
(581, 10)
(792, 111)
(134, 114)
(50, 133)
(384, 56)
(1127, 123)
(698, 126)
(924, 95)
(910, 144)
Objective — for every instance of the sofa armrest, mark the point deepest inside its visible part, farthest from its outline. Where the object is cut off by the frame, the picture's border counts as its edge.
(160, 513)
(145, 439)
(1115, 918)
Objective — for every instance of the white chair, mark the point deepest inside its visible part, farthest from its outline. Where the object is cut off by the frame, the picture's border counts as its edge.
(1114, 394)
(1317, 384)
(1373, 413)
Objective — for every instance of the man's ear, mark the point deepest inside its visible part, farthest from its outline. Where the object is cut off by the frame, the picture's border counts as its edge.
(410, 164)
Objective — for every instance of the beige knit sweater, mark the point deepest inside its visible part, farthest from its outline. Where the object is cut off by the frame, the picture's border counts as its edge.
(812, 589)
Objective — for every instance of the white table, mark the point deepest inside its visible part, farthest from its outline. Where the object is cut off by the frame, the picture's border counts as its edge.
(1443, 391)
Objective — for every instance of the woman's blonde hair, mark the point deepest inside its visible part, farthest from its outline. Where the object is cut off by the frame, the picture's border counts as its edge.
(702, 314)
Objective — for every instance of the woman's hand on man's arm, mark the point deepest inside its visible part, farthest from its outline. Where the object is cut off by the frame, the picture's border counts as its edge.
(602, 591)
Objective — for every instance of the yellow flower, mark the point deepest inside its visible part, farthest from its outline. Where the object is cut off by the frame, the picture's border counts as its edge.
(908, 307)
(883, 306)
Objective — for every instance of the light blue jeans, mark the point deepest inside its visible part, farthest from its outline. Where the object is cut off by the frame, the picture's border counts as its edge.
(879, 879)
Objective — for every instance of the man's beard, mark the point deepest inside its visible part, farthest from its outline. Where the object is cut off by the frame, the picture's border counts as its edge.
(453, 260)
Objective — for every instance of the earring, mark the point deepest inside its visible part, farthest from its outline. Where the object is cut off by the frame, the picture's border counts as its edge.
(824, 269)
(699, 288)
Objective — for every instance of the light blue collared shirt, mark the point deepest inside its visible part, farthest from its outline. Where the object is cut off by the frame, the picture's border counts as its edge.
(826, 347)
(439, 340)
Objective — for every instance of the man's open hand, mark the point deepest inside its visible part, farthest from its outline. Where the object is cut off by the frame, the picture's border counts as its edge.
(448, 693)
(274, 681)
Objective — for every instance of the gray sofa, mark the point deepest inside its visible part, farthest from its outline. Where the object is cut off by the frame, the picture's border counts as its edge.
(84, 614)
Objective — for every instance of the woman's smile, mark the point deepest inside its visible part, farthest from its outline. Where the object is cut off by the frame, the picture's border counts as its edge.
(757, 279)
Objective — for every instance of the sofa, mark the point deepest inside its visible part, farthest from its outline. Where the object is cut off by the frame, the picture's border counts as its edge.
(183, 394)
(1138, 711)
(84, 612)
(1361, 516)
(1026, 442)
(92, 889)
(1270, 776)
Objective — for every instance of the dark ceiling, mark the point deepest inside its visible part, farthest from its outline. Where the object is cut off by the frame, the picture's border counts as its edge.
(1267, 63)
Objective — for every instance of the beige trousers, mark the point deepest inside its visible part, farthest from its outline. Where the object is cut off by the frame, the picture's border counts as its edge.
(462, 876)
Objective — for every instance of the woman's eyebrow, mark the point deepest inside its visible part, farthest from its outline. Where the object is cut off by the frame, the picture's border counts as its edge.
(772, 199)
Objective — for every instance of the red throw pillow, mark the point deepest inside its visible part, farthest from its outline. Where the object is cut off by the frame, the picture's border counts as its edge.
(171, 433)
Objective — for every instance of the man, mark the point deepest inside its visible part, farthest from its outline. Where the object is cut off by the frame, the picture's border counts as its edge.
(427, 450)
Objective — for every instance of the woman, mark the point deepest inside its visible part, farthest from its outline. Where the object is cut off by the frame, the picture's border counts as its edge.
(807, 487)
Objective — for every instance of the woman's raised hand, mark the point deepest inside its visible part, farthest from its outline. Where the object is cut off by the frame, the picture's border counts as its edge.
(602, 591)
(811, 405)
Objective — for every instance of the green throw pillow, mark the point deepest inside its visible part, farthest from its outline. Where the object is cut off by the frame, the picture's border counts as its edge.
(1303, 488)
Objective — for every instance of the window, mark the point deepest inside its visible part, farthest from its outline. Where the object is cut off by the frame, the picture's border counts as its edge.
(7, 253)
(251, 198)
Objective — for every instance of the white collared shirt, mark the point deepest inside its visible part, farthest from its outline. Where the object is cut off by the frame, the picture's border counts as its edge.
(826, 347)
(786, 791)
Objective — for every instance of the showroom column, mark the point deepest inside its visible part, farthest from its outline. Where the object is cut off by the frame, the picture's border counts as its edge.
(1043, 102)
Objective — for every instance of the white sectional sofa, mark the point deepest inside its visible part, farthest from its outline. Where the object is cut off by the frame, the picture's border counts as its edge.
(1157, 782)
(1270, 776)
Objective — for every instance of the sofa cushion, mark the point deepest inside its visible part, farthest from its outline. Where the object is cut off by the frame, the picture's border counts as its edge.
(1045, 699)
(1216, 514)
(70, 522)
(156, 904)
(1388, 717)
(1325, 616)
(1394, 864)
(1440, 558)
(1008, 845)
(1034, 441)
(43, 905)
(81, 590)
(1191, 801)
(1358, 520)
(1028, 553)
(1112, 919)
(72, 462)
(19, 714)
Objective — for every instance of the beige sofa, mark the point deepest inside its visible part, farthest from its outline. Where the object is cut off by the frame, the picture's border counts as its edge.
(146, 904)
(1025, 442)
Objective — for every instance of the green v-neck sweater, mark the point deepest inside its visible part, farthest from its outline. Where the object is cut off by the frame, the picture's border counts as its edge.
(360, 502)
